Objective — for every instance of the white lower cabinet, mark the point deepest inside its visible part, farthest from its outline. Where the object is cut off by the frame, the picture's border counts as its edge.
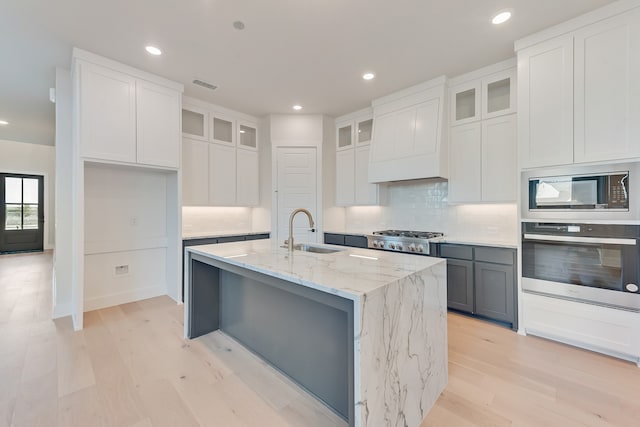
(602, 329)
(218, 175)
(482, 161)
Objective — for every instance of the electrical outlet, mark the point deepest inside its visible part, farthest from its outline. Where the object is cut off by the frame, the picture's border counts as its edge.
(121, 270)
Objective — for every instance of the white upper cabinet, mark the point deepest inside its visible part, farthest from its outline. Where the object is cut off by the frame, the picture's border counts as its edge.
(221, 163)
(545, 103)
(158, 113)
(465, 102)
(483, 94)
(195, 172)
(345, 178)
(247, 135)
(247, 192)
(578, 90)
(483, 150)
(409, 134)
(499, 94)
(344, 136)
(222, 175)
(364, 130)
(223, 129)
(499, 159)
(107, 119)
(465, 171)
(353, 138)
(607, 101)
(195, 123)
(126, 115)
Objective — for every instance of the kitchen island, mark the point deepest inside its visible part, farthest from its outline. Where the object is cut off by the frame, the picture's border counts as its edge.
(364, 331)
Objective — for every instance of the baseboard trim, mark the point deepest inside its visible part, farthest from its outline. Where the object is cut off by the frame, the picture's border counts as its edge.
(133, 295)
(61, 310)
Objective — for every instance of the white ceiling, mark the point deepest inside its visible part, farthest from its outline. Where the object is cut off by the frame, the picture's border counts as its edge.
(311, 52)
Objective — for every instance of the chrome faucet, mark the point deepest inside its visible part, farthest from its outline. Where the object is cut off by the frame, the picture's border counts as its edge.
(289, 241)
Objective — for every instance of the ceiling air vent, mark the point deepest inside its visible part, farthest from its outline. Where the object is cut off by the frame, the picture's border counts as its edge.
(205, 84)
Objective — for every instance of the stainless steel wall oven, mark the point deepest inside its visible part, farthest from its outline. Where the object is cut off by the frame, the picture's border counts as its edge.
(594, 263)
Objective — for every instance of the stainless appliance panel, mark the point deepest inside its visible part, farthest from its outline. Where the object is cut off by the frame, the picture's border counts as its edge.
(584, 211)
(597, 264)
(577, 293)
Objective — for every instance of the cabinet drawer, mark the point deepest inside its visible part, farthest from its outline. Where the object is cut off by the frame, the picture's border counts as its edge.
(456, 251)
(355, 241)
(495, 255)
(334, 239)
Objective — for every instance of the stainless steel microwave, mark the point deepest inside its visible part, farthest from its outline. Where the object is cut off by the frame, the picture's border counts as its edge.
(582, 192)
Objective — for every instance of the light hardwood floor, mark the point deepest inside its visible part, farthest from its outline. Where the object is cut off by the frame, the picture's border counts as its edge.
(130, 366)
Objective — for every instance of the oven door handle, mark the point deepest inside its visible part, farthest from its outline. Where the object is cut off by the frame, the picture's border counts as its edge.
(579, 239)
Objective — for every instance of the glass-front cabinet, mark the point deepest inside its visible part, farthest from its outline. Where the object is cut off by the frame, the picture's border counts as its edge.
(344, 136)
(484, 98)
(195, 123)
(364, 130)
(223, 129)
(247, 135)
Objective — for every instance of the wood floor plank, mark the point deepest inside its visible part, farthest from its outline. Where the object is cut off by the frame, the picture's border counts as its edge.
(131, 366)
(116, 390)
(75, 371)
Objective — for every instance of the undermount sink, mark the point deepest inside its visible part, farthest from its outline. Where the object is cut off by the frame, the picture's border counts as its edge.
(315, 249)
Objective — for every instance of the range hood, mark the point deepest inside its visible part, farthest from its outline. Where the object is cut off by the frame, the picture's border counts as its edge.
(410, 134)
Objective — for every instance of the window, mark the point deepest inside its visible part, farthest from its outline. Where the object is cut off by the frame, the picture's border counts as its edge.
(21, 204)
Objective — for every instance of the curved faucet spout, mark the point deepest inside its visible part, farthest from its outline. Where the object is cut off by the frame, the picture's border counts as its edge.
(289, 241)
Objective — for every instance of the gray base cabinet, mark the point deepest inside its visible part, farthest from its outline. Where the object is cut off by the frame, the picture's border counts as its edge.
(356, 241)
(481, 280)
(494, 291)
(460, 285)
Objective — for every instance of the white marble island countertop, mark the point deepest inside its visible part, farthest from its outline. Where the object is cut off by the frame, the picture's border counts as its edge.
(399, 319)
(349, 273)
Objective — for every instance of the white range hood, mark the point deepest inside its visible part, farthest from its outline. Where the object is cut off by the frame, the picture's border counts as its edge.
(410, 134)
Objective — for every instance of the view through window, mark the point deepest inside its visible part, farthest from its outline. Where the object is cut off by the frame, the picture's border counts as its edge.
(21, 204)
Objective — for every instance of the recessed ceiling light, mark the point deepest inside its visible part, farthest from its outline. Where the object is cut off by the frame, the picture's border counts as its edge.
(368, 76)
(3, 122)
(153, 50)
(501, 17)
(297, 107)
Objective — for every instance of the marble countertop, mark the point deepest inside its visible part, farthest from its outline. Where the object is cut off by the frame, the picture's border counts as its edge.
(462, 240)
(211, 234)
(350, 273)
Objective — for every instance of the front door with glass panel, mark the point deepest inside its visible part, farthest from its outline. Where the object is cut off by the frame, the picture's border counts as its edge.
(21, 213)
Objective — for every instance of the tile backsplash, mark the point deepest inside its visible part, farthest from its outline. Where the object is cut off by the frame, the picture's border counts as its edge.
(423, 205)
(213, 220)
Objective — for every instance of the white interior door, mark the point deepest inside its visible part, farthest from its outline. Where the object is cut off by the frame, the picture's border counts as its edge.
(296, 188)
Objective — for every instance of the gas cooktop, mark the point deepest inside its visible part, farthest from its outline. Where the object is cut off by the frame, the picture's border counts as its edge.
(403, 240)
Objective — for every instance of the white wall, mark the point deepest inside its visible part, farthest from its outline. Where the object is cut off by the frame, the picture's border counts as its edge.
(35, 159)
(125, 224)
(63, 196)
